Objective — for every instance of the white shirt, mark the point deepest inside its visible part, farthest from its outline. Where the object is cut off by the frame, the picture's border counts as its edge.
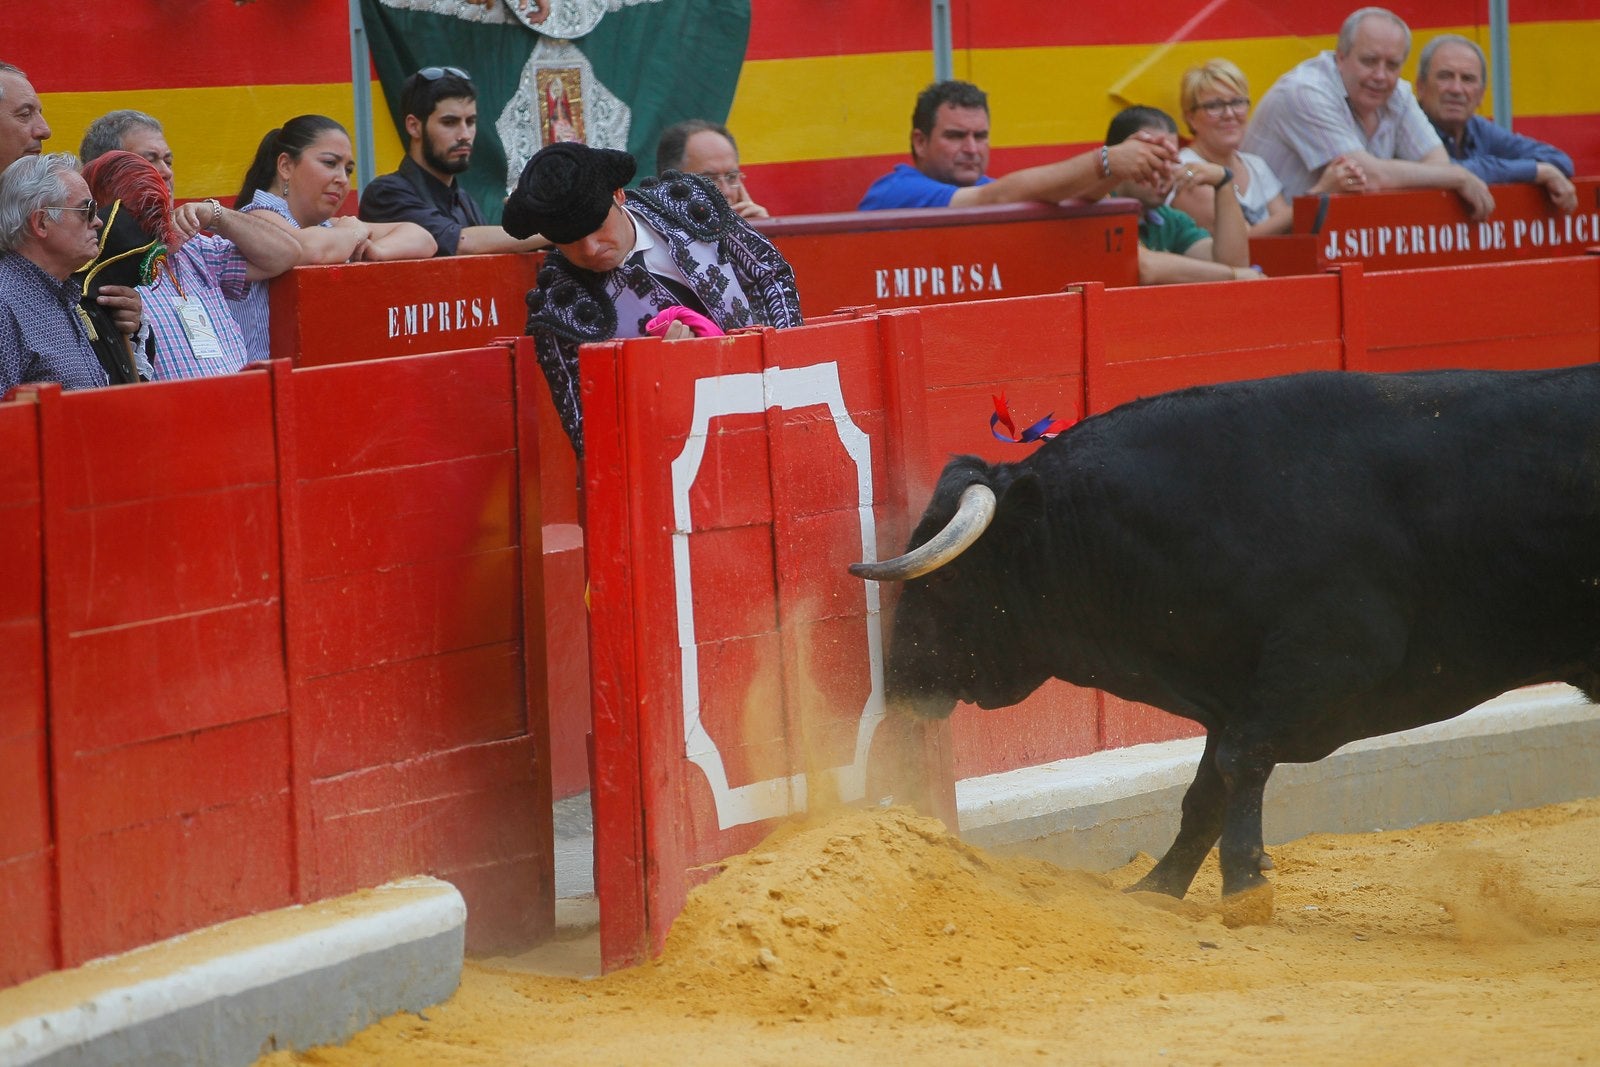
(1264, 185)
(1305, 121)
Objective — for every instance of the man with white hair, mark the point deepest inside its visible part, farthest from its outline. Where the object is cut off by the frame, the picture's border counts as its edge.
(48, 229)
(1451, 77)
(1350, 109)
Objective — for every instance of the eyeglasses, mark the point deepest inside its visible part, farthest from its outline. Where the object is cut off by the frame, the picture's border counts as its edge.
(89, 208)
(1238, 105)
(726, 179)
(433, 74)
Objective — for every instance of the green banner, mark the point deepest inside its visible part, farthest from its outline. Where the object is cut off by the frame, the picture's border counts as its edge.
(637, 67)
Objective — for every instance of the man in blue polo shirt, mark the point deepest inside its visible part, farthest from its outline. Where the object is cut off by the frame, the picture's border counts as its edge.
(950, 155)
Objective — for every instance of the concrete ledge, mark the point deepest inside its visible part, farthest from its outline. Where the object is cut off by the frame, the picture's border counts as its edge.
(1529, 747)
(225, 995)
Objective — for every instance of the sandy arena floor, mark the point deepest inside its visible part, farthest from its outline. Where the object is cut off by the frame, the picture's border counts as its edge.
(877, 938)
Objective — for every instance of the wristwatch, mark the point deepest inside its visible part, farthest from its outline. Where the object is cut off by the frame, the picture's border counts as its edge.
(1227, 176)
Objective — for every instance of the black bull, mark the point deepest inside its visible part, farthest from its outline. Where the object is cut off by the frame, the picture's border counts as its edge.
(1294, 563)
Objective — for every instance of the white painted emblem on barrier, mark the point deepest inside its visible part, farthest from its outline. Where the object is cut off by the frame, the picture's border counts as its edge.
(752, 394)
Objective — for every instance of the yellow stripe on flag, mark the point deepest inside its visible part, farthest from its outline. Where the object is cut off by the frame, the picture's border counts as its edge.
(825, 107)
(214, 131)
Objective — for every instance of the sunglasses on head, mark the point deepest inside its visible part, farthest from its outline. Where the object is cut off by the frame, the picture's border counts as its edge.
(433, 74)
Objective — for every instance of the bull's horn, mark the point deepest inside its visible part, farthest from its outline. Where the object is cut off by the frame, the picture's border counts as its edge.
(972, 517)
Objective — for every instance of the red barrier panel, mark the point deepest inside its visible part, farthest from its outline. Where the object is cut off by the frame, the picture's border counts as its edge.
(1429, 228)
(28, 943)
(1536, 314)
(404, 624)
(934, 256)
(238, 720)
(731, 482)
(356, 311)
(168, 713)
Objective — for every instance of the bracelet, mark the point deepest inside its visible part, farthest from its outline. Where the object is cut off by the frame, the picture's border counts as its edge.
(1227, 176)
(1105, 161)
(216, 213)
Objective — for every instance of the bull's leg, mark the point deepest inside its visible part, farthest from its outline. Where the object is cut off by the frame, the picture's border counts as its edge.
(1244, 771)
(1198, 831)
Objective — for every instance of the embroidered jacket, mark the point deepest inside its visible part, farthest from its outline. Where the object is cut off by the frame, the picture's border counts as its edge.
(735, 271)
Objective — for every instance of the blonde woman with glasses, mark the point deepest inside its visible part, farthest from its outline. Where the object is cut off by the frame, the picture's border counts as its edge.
(1216, 103)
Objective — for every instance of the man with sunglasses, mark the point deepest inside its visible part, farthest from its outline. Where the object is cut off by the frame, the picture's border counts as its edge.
(48, 229)
(440, 105)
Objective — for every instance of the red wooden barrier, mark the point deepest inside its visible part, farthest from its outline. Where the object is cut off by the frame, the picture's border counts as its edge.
(28, 942)
(169, 717)
(913, 257)
(356, 311)
(238, 720)
(1429, 228)
(732, 482)
(404, 623)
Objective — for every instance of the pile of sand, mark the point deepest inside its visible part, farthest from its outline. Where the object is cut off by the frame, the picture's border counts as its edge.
(877, 936)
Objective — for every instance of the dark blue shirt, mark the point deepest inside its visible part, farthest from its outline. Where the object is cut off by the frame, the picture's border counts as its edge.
(411, 194)
(42, 337)
(1498, 155)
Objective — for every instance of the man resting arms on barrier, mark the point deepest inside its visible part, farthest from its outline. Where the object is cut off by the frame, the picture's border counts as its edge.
(950, 150)
(1351, 107)
(1450, 81)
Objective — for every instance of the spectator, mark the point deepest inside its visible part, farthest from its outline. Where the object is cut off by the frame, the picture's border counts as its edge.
(193, 332)
(950, 155)
(1216, 102)
(129, 131)
(1172, 248)
(23, 130)
(1349, 111)
(707, 149)
(48, 229)
(211, 267)
(309, 162)
(622, 258)
(440, 105)
(1451, 76)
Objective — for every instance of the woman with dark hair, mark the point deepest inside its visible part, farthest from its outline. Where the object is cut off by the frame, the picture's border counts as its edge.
(299, 179)
(1172, 246)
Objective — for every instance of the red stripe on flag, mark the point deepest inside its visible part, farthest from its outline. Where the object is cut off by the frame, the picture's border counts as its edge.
(148, 44)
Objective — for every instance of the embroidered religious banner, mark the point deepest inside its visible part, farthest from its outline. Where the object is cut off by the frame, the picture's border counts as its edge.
(610, 73)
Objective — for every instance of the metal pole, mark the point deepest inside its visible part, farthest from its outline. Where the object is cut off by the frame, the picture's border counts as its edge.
(944, 67)
(361, 84)
(1500, 61)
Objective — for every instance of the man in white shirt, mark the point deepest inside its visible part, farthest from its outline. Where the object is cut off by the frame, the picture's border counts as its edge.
(1350, 109)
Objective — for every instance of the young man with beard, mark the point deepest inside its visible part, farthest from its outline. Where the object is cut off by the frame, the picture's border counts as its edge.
(441, 110)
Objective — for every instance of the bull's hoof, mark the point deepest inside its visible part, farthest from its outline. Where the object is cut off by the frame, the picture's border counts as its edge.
(1154, 883)
(1248, 907)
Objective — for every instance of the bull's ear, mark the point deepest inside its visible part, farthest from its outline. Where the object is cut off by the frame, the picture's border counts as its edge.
(1022, 503)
